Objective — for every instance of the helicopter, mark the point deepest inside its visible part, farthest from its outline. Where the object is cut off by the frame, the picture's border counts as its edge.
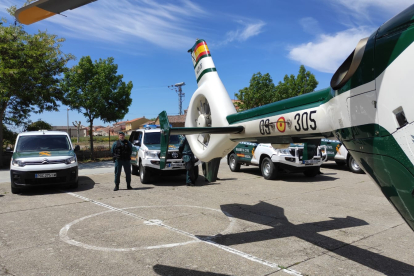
(368, 107)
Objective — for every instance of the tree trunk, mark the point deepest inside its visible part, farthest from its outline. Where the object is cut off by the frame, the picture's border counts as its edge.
(2, 111)
(1, 144)
(91, 137)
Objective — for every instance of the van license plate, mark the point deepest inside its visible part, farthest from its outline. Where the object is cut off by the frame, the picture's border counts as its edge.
(45, 175)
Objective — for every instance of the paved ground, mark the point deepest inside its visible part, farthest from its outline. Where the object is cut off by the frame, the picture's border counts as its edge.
(337, 223)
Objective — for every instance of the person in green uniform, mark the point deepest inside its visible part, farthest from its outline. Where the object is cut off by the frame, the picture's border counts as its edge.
(189, 159)
(121, 151)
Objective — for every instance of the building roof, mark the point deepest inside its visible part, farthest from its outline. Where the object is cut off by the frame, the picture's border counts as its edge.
(133, 120)
(121, 123)
(177, 118)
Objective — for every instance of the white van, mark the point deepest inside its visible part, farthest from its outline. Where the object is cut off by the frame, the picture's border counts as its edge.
(43, 158)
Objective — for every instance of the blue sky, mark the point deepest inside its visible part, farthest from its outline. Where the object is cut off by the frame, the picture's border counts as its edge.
(149, 41)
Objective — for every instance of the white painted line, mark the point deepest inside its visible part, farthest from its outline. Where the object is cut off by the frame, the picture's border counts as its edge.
(65, 229)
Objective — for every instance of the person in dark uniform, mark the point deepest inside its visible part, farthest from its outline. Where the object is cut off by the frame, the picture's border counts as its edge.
(189, 159)
(121, 152)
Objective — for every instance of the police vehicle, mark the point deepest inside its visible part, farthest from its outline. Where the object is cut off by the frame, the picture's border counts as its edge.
(43, 158)
(337, 152)
(145, 157)
(272, 160)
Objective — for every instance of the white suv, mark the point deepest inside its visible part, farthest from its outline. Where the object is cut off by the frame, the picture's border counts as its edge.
(43, 158)
(145, 157)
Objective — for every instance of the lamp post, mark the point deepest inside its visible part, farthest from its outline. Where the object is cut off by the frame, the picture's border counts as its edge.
(68, 121)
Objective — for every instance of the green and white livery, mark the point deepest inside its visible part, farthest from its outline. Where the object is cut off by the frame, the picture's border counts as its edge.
(43, 158)
(368, 108)
(273, 161)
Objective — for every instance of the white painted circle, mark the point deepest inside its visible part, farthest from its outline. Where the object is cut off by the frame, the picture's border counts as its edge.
(63, 234)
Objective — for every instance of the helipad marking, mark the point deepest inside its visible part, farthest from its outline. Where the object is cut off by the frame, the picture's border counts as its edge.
(63, 235)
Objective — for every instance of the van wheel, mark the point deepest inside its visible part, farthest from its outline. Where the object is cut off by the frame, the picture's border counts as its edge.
(311, 172)
(269, 170)
(15, 190)
(144, 174)
(134, 170)
(234, 166)
(353, 166)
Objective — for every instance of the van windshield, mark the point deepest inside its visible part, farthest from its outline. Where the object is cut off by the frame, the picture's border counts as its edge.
(43, 142)
(154, 138)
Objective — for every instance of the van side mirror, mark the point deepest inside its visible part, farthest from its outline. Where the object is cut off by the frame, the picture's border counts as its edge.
(77, 148)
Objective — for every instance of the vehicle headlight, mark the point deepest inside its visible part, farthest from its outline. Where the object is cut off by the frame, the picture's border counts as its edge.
(284, 152)
(151, 154)
(71, 160)
(18, 163)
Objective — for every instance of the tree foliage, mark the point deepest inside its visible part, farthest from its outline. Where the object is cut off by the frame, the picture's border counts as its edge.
(292, 86)
(30, 65)
(9, 137)
(95, 90)
(39, 125)
(263, 91)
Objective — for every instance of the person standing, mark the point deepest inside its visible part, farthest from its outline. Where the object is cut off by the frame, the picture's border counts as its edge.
(188, 158)
(121, 152)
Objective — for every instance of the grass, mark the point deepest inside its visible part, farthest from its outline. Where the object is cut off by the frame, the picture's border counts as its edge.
(95, 160)
(99, 142)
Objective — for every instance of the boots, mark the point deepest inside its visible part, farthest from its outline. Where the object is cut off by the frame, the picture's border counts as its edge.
(129, 187)
(116, 188)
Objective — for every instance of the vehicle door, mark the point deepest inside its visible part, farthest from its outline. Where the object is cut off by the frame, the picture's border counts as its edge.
(332, 147)
(135, 139)
(245, 151)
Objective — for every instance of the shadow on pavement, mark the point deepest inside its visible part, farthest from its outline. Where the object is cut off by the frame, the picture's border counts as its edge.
(291, 177)
(166, 270)
(135, 189)
(273, 216)
(179, 180)
(334, 166)
(85, 183)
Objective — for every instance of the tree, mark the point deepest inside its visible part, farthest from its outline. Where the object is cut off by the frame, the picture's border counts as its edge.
(261, 91)
(9, 137)
(78, 126)
(30, 65)
(39, 125)
(292, 86)
(95, 90)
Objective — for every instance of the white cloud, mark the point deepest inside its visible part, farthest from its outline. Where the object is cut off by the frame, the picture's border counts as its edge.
(249, 30)
(363, 8)
(310, 25)
(328, 52)
(167, 25)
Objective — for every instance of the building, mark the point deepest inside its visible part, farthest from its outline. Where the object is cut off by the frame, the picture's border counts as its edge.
(72, 130)
(175, 120)
(235, 102)
(134, 124)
